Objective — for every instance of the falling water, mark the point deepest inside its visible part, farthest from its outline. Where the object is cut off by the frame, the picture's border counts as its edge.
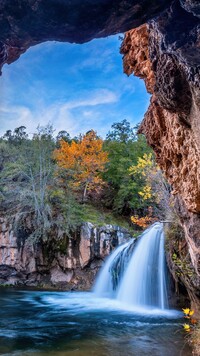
(135, 273)
(104, 284)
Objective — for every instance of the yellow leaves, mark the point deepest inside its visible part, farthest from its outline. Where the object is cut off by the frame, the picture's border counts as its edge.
(144, 169)
(186, 327)
(143, 164)
(190, 326)
(188, 312)
(146, 192)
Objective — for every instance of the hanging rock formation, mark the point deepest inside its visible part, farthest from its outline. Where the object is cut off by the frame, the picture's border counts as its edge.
(24, 23)
(165, 53)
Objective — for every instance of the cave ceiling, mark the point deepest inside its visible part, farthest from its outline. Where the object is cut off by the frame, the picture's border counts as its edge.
(24, 23)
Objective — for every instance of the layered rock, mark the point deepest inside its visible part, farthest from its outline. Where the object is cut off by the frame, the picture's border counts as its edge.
(70, 263)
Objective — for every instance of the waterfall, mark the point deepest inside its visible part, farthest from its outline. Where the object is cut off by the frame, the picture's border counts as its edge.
(104, 286)
(135, 272)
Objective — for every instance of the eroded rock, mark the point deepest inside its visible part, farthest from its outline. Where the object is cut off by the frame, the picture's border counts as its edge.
(171, 124)
(68, 264)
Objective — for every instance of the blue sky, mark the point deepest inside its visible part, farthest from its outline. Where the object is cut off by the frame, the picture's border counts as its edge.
(74, 87)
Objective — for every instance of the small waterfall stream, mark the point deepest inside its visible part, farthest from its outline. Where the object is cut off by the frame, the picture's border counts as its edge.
(135, 273)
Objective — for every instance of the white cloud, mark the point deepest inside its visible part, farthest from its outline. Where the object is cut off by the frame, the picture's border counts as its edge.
(14, 116)
(83, 114)
(74, 116)
(97, 97)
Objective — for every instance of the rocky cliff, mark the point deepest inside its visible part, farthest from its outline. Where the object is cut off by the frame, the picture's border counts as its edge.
(70, 263)
(171, 124)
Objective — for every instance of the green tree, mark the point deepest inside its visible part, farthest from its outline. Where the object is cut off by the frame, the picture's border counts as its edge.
(63, 135)
(124, 147)
(29, 186)
(17, 136)
(121, 132)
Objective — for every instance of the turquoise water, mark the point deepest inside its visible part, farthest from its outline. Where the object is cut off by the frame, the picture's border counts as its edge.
(64, 323)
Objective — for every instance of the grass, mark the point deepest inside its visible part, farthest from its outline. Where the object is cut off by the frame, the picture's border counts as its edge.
(102, 216)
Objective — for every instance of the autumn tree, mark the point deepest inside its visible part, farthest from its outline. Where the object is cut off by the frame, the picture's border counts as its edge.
(84, 160)
(153, 190)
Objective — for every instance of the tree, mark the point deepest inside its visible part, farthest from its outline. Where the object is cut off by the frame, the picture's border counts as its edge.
(144, 170)
(153, 190)
(122, 132)
(26, 177)
(31, 192)
(63, 135)
(19, 134)
(8, 135)
(123, 147)
(84, 160)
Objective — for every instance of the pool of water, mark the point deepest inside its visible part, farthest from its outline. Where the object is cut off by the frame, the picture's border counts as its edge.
(78, 324)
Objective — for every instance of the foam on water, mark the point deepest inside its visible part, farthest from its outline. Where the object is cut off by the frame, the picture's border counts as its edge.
(81, 302)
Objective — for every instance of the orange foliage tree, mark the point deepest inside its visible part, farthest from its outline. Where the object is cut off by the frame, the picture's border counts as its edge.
(85, 160)
(144, 221)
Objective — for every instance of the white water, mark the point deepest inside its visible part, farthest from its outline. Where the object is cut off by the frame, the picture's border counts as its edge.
(142, 284)
(103, 286)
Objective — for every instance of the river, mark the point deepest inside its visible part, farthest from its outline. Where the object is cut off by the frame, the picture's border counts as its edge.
(79, 324)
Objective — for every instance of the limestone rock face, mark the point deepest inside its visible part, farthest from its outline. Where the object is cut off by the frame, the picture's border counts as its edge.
(136, 56)
(177, 152)
(69, 264)
(171, 125)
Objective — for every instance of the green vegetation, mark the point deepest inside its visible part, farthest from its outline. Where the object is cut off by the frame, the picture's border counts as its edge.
(124, 148)
(49, 186)
(101, 216)
(134, 181)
